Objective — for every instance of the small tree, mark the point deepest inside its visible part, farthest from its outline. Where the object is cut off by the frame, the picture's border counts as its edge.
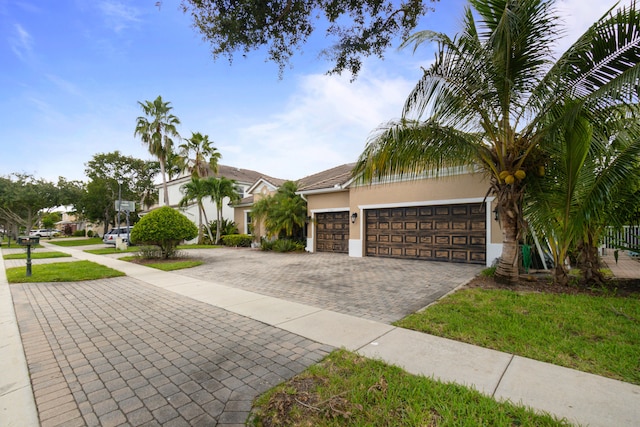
(164, 227)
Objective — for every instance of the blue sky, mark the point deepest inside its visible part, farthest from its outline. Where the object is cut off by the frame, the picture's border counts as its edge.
(73, 72)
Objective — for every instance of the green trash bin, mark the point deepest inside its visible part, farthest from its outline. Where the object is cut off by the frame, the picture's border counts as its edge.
(526, 257)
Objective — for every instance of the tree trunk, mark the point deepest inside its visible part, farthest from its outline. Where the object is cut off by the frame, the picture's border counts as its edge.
(589, 263)
(219, 211)
(560, 276)
(200, 231)
(509, 200)
(164, 182)
(507, 271)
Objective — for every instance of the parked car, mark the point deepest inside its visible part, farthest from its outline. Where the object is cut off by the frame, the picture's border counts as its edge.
(123, 232)
(44, 232)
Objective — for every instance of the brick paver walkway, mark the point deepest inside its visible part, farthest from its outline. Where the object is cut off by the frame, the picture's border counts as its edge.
(121, 352)
(380, 289)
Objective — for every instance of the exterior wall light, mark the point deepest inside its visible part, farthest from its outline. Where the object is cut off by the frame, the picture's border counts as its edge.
(496, 214)
(354, 216)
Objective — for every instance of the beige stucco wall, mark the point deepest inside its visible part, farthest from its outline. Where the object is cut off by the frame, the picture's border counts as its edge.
(325, 201)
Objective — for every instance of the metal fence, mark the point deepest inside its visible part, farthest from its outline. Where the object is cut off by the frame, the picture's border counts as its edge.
(628, 237)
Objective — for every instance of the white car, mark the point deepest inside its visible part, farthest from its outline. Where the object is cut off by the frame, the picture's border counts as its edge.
(44, 232)
(110, 237)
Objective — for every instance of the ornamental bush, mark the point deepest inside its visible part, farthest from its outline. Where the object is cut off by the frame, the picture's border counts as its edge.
(165, 228)
(242, 240)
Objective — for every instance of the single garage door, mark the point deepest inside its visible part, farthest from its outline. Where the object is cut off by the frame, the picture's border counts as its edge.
(332, 232)
(454, 233)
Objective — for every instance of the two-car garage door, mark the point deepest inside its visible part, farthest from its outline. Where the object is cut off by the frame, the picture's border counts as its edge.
(455, 233)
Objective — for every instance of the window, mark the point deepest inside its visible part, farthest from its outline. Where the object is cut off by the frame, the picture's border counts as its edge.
(248, 223)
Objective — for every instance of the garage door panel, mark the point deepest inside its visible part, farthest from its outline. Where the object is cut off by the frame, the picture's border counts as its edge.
(332, 233)
(454, 233)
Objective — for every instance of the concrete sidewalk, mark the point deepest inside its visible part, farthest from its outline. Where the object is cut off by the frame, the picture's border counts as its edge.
(579, 397)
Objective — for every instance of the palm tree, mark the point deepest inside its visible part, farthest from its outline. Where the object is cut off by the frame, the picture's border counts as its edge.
(175, 165)
(593, 175)
(220, 188)
(202, 150)
(284, 213)
(197, 189)
(157, 133)
(494, 96)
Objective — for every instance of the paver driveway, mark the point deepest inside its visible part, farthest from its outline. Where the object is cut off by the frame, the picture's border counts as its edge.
(380, 289)
(122, 352)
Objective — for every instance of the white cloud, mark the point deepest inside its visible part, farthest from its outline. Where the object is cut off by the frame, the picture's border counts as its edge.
(22, 43)
(119, 16)
(324, 124)
(578, 16)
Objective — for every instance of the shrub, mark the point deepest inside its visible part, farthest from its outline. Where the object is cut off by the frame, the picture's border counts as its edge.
(226, 227)
(241, 240)
(282, 245)
(90, 233)
(78, 233)
(164, 227)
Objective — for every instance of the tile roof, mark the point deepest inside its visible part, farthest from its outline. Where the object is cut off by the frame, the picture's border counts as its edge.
(246, 175)
(327, 179)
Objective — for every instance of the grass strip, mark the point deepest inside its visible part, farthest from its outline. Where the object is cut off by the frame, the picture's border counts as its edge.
(165, 265)
(346, 389)
(78, 242)
(596, 334)
(62, 272)
(112, 250)
(37, 255)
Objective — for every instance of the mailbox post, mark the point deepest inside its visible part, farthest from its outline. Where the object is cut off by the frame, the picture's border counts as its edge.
(28, 241)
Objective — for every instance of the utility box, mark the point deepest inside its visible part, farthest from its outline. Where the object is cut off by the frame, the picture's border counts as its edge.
(121, 244)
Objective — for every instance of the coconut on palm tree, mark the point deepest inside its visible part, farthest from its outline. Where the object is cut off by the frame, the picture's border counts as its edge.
(494, 95)
(156, 131)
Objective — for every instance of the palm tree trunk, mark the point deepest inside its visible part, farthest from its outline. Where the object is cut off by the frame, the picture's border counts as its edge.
(507, 271)
(200, 233)
(589, 263)
(509, 199)
(164, 182)
(219, 211)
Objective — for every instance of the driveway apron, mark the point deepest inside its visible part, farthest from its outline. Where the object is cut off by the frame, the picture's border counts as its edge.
(121, 352)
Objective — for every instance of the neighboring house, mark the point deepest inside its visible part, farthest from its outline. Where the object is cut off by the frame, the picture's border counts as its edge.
(264, 186)
(448, 218)
(245, 181)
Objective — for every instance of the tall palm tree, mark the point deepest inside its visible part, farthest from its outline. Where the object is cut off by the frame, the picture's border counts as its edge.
(220, 188)
(156, 131)
(494, 95)
(197, 189)
(205, 155)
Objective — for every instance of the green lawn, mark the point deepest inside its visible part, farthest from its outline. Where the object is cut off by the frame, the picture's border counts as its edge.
(166, 265)
(349, 390)
(112, 250)
(79, 242)
(596, 334)
(62, 272)
(37, 255)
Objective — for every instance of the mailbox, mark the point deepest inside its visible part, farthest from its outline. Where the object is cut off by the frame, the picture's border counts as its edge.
(28, 240)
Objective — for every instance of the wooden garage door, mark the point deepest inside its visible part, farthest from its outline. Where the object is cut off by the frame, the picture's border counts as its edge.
(455, 233)
(332, 232)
